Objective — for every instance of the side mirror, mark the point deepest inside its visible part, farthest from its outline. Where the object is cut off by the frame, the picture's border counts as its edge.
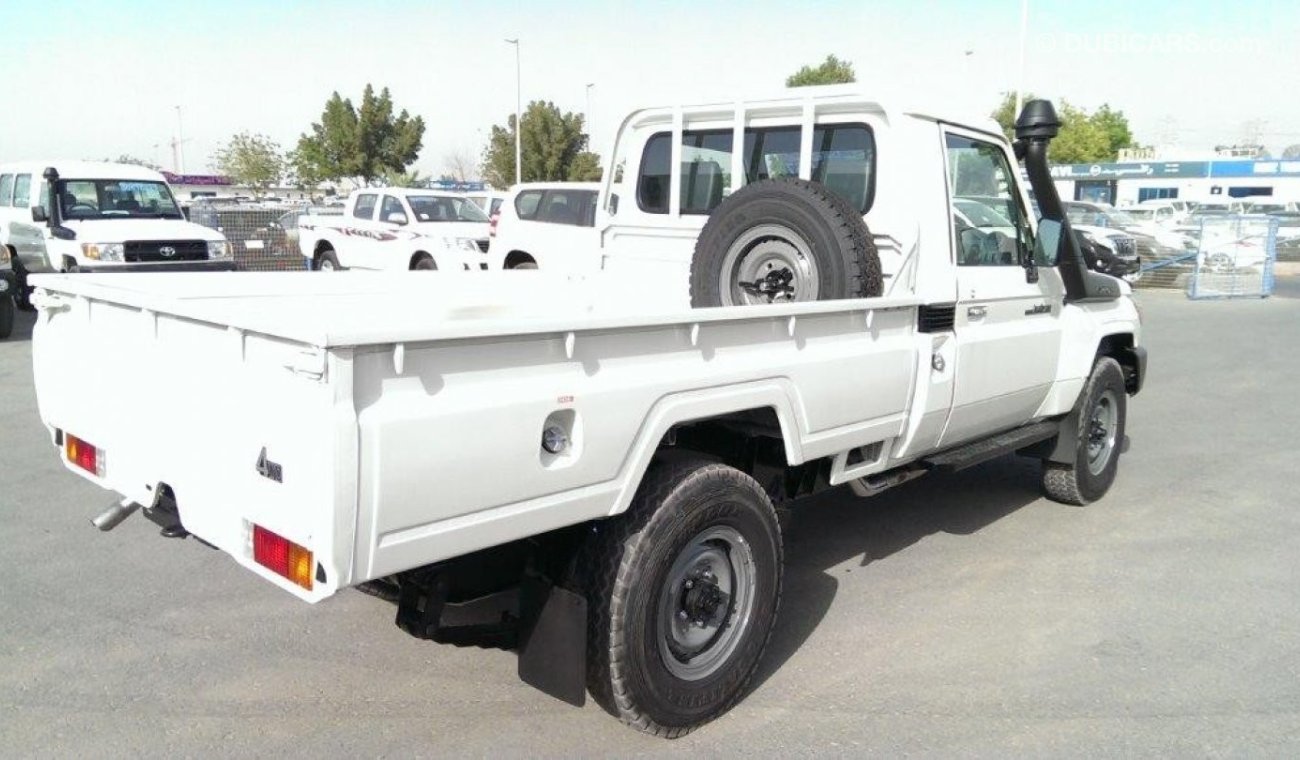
(396, 217)
(1046, 248)
(39, 216)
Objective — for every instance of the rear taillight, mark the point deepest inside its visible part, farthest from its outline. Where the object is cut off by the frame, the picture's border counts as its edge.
(492, 225)
(282, 556)
(84, 455)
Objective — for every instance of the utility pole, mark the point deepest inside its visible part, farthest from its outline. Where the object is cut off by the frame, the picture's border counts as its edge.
(178, 145)
(590, 129)
(1020, 81)
(519, 116)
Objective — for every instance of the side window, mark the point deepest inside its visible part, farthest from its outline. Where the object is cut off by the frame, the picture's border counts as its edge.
(365, 208)
(561, 207)
(6, 188)
(589, 210)
(653, 181)
(988, 222)
(22, 190)
(706, 170)
(495, 207)
(843, 158)
(526, 204)
(391, 206)
(43, 196)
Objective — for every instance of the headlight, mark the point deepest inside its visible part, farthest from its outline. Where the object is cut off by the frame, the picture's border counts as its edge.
(4, 254)
(102, 251)
(461, 244)
(218, 249)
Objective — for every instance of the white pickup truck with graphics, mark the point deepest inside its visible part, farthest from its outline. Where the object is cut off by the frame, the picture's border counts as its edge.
(598, 464)
(395, 229)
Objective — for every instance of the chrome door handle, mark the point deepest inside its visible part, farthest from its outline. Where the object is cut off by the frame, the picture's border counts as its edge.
(976, 312)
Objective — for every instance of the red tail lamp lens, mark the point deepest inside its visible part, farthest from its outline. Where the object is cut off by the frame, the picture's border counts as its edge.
(84, 455)
(282, 556)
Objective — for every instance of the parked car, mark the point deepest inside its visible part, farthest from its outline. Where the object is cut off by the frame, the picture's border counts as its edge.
(61, 216)
(1152, 239)
(598, 449)
(1271, 207)
(1109, 251)
(396, 229)
(547, 225)
(281, 235)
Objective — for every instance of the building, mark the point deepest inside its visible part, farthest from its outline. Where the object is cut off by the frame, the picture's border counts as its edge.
(1204, 178)
(187, 187)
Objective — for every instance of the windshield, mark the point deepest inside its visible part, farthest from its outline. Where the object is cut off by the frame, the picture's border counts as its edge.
(116, 199)
(979, 214)
(443, 208)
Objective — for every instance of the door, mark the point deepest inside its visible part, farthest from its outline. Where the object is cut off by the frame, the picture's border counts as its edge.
(565, 233)
(356, 249)
(27, 236)
(1008, 329)
(387, 248)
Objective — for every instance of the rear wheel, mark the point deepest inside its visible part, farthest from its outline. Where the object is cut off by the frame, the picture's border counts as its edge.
(1098, 443)
(424, 263)
(683, 591)
(326, 261)
(6, 316)
(783, 240)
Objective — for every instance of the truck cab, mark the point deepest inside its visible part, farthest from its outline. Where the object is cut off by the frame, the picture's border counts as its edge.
(395, 229)
(91, 216)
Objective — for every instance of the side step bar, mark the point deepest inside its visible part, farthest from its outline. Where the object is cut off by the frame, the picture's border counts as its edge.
(971, 454)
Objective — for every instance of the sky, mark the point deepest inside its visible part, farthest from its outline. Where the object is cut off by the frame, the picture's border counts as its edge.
(87, 80)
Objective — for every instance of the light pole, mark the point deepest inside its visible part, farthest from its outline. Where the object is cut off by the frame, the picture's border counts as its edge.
(590, 131)
(180, 144)
(1020, 83)
(519, 117)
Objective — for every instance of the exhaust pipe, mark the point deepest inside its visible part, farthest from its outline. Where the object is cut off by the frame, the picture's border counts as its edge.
(113, 516)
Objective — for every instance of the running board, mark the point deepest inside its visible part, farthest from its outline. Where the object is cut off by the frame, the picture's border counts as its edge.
(971, 454)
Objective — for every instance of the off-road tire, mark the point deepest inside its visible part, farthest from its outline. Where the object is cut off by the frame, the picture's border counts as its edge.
(423, 263)
(7, 309)
(327, 255)
(1074, 483)
(621, 570)
(847, 261)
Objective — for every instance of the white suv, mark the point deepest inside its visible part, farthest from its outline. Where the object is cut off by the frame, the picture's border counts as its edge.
(89, 216)
(549, 226)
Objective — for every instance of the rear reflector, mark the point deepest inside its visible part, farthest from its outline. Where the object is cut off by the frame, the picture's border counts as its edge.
(282, 556)
(84, 455)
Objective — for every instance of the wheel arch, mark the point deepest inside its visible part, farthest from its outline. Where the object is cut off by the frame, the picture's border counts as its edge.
(410, 264)
(517, 257)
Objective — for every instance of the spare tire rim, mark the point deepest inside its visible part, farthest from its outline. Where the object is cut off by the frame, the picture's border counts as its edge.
(1103, 428)
(706, 603)
(769, 263)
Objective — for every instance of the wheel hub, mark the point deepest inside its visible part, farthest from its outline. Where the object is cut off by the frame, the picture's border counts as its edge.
(703, 600)
(766, 264)
(706, 603)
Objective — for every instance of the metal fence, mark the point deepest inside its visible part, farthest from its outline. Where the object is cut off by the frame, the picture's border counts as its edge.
(1235, 257)
(264, 237)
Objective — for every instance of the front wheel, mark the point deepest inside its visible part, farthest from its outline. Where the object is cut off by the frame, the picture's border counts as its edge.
(327, 261)
(1098, 443)
(683, 591)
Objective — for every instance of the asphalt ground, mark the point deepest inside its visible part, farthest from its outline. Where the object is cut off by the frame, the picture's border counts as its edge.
(960, 615)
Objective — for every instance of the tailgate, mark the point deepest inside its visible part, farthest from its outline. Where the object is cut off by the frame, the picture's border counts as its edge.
(210, 411)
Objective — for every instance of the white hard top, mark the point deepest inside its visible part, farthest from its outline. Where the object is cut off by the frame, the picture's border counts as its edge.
(592, 186)
(84, 170)
(406, 191)
(362, 308)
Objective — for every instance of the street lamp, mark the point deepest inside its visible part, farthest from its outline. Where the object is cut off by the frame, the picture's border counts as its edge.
(589, 128)
(1020, 83)
(519, 117)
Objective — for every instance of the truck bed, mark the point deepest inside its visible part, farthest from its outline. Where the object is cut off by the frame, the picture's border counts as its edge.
(405, 411)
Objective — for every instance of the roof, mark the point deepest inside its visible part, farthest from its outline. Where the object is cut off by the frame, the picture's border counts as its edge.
(85, 169)
(592, 186)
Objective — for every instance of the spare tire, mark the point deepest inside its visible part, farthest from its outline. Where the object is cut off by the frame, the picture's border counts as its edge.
(783, 240)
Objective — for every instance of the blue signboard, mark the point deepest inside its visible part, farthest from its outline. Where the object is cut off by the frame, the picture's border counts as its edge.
(1177, 169)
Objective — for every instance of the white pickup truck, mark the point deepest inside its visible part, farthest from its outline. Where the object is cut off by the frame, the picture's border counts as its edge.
(396, 229)
(604, 463)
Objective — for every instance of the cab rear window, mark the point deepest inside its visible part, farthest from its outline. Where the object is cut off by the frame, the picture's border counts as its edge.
(843, 159)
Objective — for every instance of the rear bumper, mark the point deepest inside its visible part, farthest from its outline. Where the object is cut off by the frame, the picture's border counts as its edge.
(180, 266)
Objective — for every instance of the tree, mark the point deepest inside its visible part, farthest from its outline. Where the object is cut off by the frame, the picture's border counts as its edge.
(360, 143)
(1084, 138)
(459, 164)
(412, 178)
(554, 148)
(1291, 151)
(251, 159)
(585, 167)
(831, 71)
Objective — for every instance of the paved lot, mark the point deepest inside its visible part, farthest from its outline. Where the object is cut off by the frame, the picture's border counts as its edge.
(961, 615)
